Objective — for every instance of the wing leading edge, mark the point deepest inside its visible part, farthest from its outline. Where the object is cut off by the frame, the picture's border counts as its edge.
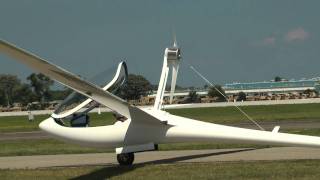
(76, 83)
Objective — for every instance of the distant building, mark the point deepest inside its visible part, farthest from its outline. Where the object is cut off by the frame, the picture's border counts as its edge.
(255, 91)
(295, 86)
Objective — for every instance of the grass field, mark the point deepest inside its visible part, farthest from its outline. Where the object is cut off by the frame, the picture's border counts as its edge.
(260, 113)
(302, 169)
(220, 115)
(41, 147)
(21, 123)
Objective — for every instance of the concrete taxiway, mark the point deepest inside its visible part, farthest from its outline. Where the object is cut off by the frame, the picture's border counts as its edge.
(158, 157)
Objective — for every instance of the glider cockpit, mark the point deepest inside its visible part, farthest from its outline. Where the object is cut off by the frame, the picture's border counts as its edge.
(75, 107)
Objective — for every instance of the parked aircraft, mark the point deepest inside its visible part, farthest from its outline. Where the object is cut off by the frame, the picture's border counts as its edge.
(137, 129)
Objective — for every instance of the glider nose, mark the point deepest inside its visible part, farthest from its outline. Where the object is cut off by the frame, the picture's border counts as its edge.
(45, 124)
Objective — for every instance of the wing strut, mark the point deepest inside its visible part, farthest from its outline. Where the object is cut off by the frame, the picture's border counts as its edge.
(237, 107)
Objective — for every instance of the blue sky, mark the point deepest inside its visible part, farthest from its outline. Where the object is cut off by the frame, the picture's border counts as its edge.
(227, 41)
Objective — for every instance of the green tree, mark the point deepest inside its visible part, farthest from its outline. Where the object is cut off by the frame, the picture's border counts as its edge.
(217, 92)
(193, 97)
(59, 94)
(242, 96)
(24, 95)
(9, 84)
(136, 87)
(41, 86)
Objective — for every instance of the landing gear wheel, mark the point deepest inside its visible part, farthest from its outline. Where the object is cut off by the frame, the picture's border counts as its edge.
(125, 159)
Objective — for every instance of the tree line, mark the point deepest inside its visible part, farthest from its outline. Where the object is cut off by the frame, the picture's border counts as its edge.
(38, 88)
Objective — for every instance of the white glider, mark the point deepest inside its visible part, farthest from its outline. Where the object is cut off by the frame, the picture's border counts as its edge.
(144, 129)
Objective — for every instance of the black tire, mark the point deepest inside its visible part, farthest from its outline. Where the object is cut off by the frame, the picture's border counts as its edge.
(125, 159)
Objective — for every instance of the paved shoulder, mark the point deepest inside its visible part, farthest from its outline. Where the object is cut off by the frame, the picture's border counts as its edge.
(217, 155)
(23, 135)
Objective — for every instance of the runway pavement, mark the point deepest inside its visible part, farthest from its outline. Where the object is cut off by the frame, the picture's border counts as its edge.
(268, 125)
(158, 157)
(23, 135)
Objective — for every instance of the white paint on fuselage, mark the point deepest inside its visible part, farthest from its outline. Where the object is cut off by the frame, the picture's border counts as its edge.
(101, 136)
(179, 129)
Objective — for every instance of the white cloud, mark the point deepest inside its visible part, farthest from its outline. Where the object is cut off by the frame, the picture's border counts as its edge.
(298, 34)
(269, 40)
